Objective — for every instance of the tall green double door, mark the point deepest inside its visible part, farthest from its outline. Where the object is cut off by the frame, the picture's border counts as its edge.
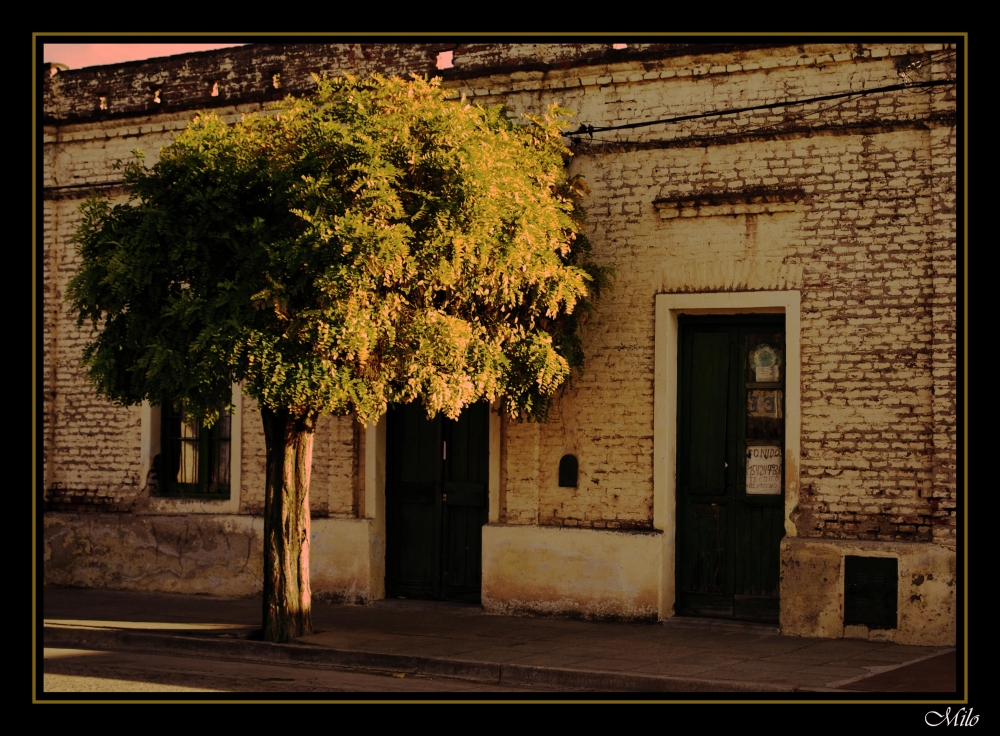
(730, 465)
(437, 485)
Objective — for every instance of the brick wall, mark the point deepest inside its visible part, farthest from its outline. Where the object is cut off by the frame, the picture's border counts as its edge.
(91, 448)
(246, 75)
(240, 75)
(871, 248)
(870, 243)
(332, 487)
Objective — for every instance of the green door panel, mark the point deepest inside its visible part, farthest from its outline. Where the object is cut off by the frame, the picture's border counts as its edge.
(416, 549)
(465, 502)
(709, 413)
(761, 529)
(704, 566)
(412, 503)
(465, 494)
(730, 397)
(437, 502)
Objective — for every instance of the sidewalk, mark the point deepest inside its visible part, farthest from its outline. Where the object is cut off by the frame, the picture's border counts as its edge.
(457, 640)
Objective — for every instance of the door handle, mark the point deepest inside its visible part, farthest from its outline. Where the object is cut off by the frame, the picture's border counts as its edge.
(444, 498)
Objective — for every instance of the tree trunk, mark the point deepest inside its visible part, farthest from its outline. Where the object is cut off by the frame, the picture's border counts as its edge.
(287, 607)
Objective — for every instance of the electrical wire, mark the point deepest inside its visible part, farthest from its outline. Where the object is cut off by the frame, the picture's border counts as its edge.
(903, 75)
(800, 116)
(591, 129)
(913, 66)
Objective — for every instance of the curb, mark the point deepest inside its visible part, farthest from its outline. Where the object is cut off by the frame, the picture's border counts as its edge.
(714, 624)
(325, 657)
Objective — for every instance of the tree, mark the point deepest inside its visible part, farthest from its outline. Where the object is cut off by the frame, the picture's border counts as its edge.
(373, 243)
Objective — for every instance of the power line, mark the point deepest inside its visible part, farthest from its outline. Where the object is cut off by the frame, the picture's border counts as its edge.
(907, 82)
(913, 66)
(801, 116)
(591, 129)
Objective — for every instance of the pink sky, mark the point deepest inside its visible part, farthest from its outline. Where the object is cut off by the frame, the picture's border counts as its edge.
(77, 55)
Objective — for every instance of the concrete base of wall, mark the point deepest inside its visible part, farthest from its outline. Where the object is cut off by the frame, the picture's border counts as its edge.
(812, 590)
(198, 553)
(343, 561)
(584, 572)
(526, 569)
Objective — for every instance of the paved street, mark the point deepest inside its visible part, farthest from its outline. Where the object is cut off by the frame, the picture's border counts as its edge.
(90, 671)
(212, 643)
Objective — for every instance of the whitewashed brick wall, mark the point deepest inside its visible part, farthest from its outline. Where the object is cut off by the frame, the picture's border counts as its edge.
(870, 245)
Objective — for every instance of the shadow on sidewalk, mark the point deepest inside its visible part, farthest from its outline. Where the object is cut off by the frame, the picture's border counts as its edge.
(934, 675)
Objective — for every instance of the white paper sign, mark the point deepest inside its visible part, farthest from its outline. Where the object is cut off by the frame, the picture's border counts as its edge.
(767, 374)
(763, 470)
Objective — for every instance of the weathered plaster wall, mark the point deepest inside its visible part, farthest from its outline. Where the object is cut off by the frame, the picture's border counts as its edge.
(812, 590)
(339, 567)
(864, 230)
(197, 553)
(859, 238)
(869, 243)
(582, 572)
(222, 555)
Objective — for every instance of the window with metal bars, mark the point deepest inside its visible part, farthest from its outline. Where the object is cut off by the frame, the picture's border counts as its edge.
(194, 460)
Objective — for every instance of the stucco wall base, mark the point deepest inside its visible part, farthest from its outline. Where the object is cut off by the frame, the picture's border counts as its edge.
(197, 553)
(812, 590)
(341, 562)
(577, 572)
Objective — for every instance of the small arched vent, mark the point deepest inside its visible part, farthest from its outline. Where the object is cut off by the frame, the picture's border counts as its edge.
(568, 471)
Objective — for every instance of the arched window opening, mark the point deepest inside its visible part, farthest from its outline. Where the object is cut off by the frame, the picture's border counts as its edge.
(568, 471)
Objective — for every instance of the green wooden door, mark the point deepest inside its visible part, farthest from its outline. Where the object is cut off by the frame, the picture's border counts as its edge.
(730, 484)
(437, 483)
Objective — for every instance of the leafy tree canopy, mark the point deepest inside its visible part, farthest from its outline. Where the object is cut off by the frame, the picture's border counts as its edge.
(370, 244)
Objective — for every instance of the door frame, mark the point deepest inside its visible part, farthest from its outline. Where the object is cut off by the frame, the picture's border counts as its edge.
(374, 492)
(666, 378)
